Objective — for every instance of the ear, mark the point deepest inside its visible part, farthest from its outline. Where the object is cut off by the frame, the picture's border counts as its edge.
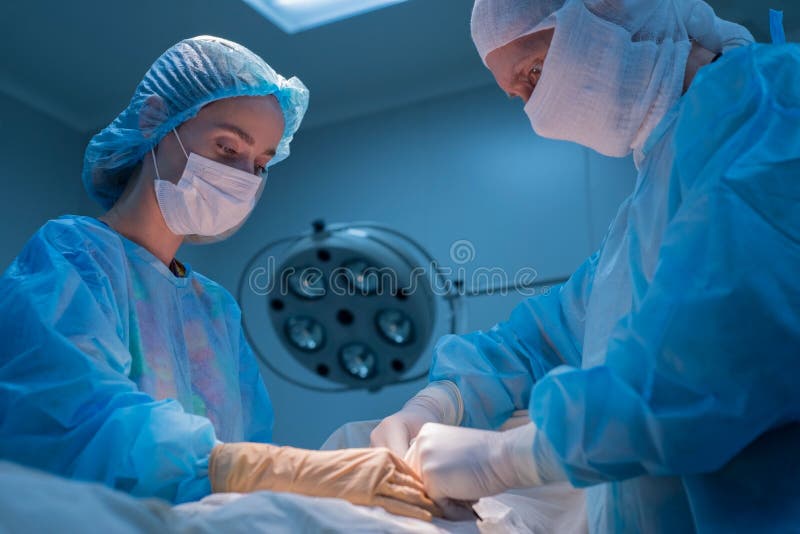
(152, 114)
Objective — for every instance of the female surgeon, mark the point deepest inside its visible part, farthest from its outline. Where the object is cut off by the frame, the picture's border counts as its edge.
(119, 364)
(663, 376)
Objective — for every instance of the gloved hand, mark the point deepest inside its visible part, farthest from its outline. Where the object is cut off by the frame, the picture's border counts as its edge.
(467, 464)
(369, 477)
(439, 402)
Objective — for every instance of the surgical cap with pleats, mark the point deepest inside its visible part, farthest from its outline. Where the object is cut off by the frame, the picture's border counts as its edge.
(496, 23)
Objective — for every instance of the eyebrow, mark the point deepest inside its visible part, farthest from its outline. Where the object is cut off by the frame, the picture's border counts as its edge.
(244, 136)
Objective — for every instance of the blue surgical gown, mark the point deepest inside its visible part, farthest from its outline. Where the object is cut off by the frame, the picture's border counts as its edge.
(665, 374)
(112, 369)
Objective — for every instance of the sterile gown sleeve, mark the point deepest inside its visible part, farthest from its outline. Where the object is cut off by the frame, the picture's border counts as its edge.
(495, 370)
(707, 360)
(67, 405)
(257, 427)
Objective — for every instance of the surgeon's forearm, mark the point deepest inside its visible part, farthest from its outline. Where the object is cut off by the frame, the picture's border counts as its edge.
(495, 370)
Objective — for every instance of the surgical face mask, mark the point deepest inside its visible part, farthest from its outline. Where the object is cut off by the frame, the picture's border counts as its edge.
(210, 201)
(600, 87)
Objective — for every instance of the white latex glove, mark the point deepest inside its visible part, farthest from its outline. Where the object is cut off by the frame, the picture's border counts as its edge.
(467, 464)
(439, 402)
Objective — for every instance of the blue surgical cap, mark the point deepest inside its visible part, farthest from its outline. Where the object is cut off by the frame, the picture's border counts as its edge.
(186, 77)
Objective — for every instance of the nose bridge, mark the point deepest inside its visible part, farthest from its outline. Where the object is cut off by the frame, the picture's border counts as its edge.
(245, 162)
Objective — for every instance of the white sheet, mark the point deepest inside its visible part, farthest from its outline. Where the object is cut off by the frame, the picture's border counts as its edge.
(33, 502)
(285, 513)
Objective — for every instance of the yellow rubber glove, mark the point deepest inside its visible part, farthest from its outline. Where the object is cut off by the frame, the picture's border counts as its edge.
(369, 477)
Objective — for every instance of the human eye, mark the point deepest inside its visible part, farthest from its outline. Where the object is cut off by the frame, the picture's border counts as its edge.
(227, 150)
(534, 74)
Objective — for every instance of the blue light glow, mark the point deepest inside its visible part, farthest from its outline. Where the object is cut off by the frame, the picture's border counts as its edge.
(294, 16)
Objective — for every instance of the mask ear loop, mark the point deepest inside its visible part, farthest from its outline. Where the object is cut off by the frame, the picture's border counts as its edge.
(155, 163)
(178, 137)
(153, 152)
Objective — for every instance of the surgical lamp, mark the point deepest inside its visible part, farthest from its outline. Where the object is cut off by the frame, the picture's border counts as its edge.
(355, 306)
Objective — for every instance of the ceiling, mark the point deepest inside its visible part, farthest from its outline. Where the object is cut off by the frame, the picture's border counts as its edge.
(79, 61)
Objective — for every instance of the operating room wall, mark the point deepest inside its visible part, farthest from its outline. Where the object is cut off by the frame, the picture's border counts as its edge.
(40, 173)
(462, 167)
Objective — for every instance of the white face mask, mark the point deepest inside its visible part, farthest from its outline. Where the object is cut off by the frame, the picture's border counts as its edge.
(602, 89)
(210, 199)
